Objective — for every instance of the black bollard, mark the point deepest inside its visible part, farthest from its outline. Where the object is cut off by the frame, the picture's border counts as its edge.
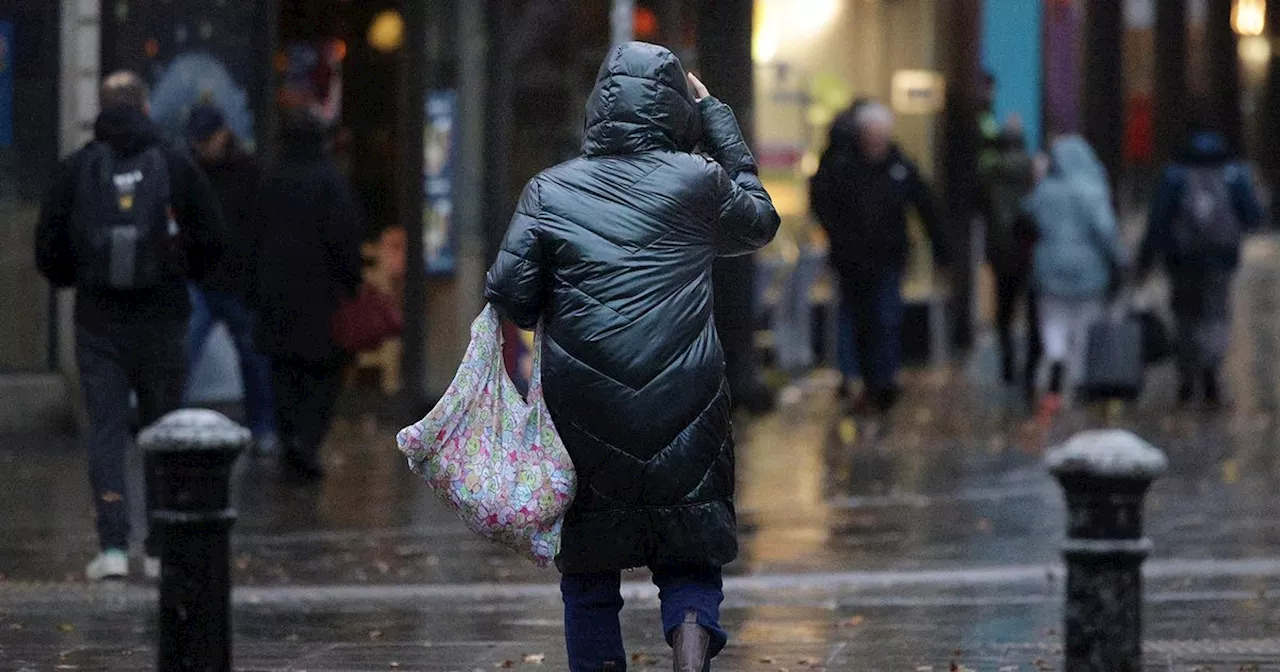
(1105, 475)
(190, 454)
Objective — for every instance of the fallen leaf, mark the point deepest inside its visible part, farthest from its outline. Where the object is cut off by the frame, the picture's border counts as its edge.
(535, 658)
(375, 634)
(382, 567)
(767, 661)
(1230, 471)
(66, 627)
(808, 662)
(112, 497)
(505, 665)
(857, 621)
(1249, 667)
(642, 659)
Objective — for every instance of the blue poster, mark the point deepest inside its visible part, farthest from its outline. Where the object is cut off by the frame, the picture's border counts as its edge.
(439, 157)
(6, 84)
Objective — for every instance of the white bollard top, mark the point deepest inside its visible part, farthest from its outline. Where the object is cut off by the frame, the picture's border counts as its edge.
(194, 428)
(1113, 453)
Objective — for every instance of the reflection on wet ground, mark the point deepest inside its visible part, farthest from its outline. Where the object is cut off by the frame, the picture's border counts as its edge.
(952, 481)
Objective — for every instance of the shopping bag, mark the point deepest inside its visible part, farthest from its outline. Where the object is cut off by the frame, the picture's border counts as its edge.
(1156, 344)
(366, 320)
(1150, 308)
(1114, 364)
(494, 456)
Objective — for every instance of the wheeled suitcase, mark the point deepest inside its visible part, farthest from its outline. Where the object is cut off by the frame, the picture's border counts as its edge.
(1114, 361)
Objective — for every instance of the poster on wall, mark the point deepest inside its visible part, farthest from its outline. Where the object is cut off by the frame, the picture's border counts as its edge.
(6, 84)
(439, 157)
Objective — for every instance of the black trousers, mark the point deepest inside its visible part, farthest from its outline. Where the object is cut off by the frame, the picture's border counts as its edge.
(306, 392)
(148, 359)
(1012, 289)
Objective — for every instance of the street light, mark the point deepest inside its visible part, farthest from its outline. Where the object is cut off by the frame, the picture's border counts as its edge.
(1249, 17)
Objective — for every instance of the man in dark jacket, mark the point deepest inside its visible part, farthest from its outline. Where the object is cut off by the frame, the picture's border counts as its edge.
(307, 260)
(102, 229)
(221, 296)
(1008, 176)
(612, 253)
(861, 197)
(1204, 204)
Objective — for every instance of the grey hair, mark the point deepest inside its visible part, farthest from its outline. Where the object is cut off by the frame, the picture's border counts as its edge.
(872, 113)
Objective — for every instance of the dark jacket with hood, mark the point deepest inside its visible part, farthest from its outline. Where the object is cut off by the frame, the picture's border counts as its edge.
(1008, 177)
(308, 256)
(612, 252)
(237, 182)
(862, 204)
(1205, 150)
(129, 132)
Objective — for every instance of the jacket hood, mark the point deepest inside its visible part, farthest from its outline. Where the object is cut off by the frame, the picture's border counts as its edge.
(1206, 148)
(1074, 161)
(641, 102)
(127, 130)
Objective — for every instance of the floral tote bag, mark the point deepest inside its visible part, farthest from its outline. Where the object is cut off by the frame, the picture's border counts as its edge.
(492, 455)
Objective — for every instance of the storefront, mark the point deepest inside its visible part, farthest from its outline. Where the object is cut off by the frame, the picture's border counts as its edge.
(813, 58)
(39, 117)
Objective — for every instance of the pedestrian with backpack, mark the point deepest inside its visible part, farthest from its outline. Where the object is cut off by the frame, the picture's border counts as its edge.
(1203, 206)
(128, 221)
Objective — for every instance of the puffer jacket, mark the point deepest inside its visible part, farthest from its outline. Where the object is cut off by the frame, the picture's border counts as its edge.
(612, 252)
(1078, 247)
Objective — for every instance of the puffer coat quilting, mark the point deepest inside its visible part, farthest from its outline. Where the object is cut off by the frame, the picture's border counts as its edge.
(612, 252)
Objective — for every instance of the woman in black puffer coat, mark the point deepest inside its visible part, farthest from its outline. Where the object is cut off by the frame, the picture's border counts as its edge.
(612, 252)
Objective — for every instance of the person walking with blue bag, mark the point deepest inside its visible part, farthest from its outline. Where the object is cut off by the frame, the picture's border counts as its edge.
(611, 252)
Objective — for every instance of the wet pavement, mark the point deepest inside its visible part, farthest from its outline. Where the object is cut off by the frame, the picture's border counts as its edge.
(925, 539)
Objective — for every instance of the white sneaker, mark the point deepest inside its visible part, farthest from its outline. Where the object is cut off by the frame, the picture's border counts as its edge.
(151, 568)
(110, 564)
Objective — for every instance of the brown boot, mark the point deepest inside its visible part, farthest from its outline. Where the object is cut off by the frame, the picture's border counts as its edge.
(690, 645)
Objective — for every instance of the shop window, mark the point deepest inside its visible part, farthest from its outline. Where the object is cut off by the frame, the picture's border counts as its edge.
(29, 32)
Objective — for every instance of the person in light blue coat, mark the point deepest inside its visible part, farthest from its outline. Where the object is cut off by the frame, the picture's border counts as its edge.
(1078, 256)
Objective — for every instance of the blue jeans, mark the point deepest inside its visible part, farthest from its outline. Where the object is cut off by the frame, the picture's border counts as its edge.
(592, 602)
(870, 338)
(208, 308)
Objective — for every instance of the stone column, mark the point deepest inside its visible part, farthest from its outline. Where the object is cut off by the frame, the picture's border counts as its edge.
(1171, 78)
(725, 66)
(1224, 73)
(1104, 83)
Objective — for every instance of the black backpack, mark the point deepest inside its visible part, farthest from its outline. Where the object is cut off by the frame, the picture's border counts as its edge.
(1206, 224)
(123, 229)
